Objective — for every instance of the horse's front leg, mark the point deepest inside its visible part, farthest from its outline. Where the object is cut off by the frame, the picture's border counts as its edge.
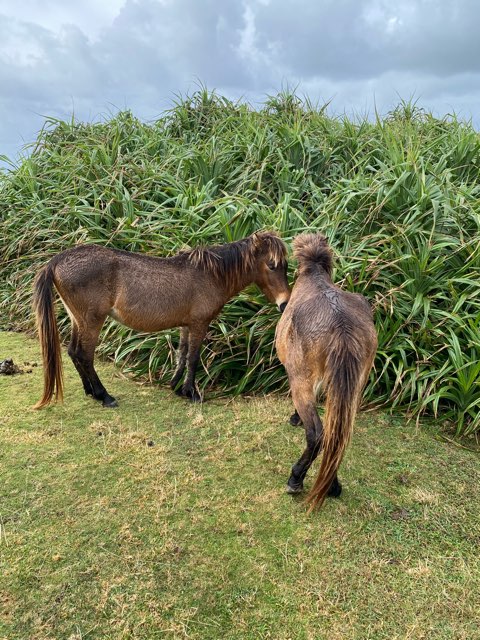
(181, 360)
(295, 419)
(195, 338)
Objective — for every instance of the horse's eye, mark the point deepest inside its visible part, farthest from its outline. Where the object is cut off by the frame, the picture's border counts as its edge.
(272, 266)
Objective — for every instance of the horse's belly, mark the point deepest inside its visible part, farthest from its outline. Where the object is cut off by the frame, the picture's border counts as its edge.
(148, 320)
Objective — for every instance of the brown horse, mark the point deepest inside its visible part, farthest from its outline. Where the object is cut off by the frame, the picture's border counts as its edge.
(187, 290)
(326, 336)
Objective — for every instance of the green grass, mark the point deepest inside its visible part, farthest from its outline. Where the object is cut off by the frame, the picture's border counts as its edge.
(103, 536)
(398, 199)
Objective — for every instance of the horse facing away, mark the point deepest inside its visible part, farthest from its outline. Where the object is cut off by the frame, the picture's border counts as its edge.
(326, 337)
(146, 293)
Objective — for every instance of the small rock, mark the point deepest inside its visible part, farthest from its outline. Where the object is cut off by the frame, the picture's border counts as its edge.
(8, 367)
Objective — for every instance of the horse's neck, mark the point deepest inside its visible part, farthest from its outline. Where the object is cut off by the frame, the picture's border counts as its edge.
(235, 285)
(319, 276)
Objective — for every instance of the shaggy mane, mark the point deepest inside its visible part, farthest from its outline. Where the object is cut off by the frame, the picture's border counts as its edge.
(312, 249)
(230, 262)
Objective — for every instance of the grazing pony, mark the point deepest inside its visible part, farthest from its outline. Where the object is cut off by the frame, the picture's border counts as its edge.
(187, 290)
(325, 337)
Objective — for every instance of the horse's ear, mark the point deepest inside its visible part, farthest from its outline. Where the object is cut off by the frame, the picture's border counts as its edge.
(260, 237)
(254, 237)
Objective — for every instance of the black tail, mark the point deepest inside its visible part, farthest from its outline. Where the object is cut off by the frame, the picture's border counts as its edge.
(49, 338)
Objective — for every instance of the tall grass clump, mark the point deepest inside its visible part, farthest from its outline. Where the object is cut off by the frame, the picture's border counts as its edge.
(398, 198)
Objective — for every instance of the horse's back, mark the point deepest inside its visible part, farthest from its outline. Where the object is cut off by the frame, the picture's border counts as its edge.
(145, 293)
(317, 316)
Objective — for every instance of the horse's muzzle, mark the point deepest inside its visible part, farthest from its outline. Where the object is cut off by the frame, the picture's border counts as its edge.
(281, 307)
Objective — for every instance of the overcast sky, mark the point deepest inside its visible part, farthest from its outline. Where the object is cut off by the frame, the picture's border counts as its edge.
(93, 57)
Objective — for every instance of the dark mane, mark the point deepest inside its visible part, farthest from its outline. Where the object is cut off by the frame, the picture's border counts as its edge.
(230, 262)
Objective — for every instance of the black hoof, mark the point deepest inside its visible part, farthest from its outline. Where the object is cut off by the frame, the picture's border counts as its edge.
(109, 402)
(294, 488)
(194, 397)
(191, 394)
(335, 489)
(295, 420)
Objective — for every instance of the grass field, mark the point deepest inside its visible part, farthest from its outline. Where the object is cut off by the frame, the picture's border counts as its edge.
(166, 520)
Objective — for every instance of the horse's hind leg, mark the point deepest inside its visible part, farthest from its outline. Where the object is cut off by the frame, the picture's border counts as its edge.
(82, 350)
(73, 348)
(295, 420)
(305, 405)
(304, 401)
(195, 339)
(181, 360)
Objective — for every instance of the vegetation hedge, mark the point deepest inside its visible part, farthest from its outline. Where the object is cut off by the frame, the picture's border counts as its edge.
(398, 198)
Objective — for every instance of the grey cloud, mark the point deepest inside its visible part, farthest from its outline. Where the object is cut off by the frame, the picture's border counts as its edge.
(190, 39)
(363, 38)
(354, 51)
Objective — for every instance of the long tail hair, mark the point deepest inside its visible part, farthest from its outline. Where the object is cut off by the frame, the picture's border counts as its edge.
(43, 305)
(343, 386)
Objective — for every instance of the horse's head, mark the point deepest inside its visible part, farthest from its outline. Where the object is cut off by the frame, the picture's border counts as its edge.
(271, 267)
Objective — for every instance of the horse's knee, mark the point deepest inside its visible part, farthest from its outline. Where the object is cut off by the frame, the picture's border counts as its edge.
(77, 353)
(313, 438)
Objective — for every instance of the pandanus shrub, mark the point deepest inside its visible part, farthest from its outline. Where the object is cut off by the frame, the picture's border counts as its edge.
(398, 199)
